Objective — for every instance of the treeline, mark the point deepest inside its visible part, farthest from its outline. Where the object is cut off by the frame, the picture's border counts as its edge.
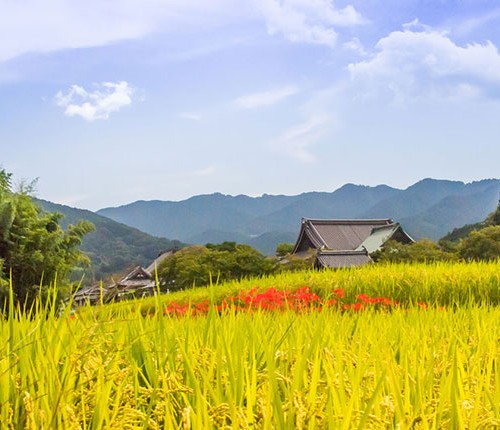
(214, 263)
(475, 242)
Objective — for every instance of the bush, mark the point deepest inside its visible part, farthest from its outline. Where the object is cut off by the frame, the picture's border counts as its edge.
(482, 244)
(200, 265)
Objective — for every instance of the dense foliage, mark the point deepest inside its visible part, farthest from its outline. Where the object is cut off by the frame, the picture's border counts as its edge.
(482, 244)
(200, 265)
(283, 249)
(34, 249)
(424, 250)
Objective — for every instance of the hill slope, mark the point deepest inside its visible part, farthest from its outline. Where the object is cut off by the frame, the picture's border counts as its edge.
(429, 208)
(112, 247)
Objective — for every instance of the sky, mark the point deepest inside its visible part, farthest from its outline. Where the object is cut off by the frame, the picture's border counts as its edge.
(109, 102)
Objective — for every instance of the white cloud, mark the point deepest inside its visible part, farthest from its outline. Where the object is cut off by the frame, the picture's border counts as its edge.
(28, 26)
(295, 141)
(307, 21)
(355, 45)
(36, 26)
(418, 64)
(265, 98)
(107, 98)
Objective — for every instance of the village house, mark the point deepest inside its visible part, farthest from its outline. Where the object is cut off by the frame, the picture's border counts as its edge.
(346, 243)
(140, 282)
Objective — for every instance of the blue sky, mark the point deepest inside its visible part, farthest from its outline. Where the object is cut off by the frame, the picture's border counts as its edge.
(111, 102)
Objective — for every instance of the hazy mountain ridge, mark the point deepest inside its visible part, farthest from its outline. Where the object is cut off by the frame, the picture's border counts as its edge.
(428, 208)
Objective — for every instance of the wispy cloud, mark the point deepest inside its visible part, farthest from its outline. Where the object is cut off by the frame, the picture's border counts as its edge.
(355, 45)
(34, 26)
(107, 98)
(65, 23)
(265, 98)
(295, 141)
(471, 24)
(418, 62)
(307, 21)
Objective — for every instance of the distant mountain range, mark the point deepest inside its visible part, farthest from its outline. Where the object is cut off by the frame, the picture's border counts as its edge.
(113, 247)
(430, 208)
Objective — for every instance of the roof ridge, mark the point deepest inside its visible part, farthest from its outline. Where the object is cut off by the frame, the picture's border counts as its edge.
(343, 251)
(359, 221)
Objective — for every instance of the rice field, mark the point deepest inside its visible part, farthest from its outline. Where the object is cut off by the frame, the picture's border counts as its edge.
(430, 360)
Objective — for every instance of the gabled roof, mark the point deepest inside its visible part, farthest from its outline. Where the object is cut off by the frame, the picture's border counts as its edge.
(346, 234)
(156, 263)
(380, 235)
(344, 243)
(139, 273)
(137, 278)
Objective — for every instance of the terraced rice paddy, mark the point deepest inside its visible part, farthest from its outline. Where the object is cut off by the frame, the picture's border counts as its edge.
(421, 350)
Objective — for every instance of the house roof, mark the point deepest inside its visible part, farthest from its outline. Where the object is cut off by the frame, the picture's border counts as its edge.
(156, 263)
(343, 243)
(346, 234)
(139, 277)
(380, 235)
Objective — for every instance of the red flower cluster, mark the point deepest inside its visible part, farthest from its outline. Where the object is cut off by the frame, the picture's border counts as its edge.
(272, 299)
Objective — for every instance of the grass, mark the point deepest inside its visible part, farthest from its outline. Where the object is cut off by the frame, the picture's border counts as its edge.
(129, 366)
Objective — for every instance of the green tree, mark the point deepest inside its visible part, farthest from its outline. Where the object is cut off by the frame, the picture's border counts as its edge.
(481, 244)
(200, 265)
(34, 249)
(424, 250)
(185, 269)
(283, 249)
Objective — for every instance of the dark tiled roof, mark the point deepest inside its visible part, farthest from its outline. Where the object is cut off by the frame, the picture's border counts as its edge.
(339, 234)
(344, 243)
(339, 259)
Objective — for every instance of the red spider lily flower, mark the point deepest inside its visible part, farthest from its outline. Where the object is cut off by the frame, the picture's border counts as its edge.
(339, 292)
(356, 307)
(363, 298)
(303, 297)
(273, 300)
(174, 308)
(381, 300)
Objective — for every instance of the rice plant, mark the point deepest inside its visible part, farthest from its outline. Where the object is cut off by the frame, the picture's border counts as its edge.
(432, 367)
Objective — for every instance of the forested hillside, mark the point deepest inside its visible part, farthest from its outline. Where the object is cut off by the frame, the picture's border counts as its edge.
(112, 247)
